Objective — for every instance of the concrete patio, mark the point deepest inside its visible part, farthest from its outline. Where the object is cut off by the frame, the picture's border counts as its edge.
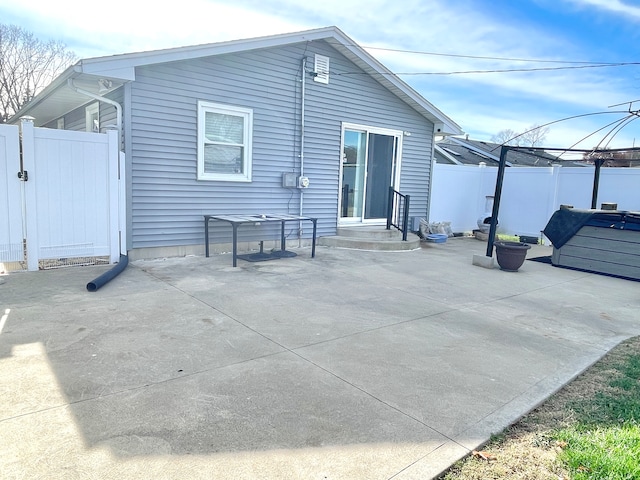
(352, 365)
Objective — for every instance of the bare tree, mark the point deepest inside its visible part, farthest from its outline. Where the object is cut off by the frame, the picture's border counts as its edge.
(27, 65)
(618, 158)
(505, 137)
(533, 136)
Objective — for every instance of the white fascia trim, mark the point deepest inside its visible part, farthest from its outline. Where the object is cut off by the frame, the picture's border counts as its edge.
(447, 155)
(387, 76)
(127, 73)
(61, 80)
(124, 65)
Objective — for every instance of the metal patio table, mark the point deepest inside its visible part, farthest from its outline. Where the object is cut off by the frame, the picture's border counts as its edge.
(237, 220)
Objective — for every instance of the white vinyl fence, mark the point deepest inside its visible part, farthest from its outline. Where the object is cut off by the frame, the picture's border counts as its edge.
(529, 195)
(62, 198)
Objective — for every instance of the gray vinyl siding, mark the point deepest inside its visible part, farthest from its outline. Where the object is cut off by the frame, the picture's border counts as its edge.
(76, 119)
(108, 113)
(167, 201)
(358, 98)
(52, 124)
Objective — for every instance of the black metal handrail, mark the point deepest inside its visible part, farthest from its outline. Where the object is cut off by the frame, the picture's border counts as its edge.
(345, 201)
(398, 212)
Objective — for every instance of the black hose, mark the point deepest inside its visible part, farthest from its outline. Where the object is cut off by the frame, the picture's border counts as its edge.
(109, 275)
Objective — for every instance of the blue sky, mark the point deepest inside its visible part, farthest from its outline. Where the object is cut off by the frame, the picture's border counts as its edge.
(482, 104)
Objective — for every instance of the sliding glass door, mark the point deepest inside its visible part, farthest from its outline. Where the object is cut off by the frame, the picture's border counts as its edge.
(370, 164)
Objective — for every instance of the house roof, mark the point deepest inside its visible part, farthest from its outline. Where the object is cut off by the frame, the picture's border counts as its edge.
(58, 98)
(463, 151)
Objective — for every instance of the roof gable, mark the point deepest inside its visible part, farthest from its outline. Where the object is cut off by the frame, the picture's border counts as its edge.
(119, 69)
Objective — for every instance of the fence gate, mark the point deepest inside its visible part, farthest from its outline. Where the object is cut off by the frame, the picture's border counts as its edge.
(62, 200)
(11, 227)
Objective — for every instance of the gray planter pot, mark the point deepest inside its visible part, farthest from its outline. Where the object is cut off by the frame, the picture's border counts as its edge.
(511, 255)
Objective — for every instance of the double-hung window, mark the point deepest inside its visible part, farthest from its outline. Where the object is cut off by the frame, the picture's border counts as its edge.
(224, 142)
(92, 118)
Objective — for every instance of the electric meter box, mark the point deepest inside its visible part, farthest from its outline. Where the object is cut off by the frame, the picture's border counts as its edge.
(290, 180)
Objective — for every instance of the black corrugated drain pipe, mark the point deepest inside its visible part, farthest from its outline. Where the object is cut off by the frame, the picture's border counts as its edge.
(109, 275)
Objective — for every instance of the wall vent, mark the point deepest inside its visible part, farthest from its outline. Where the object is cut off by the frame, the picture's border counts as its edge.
(321, 69)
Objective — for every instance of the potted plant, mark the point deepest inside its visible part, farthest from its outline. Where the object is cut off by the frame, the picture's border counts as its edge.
(511, 255)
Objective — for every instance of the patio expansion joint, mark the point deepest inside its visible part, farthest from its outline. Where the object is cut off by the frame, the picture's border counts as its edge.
(378, 399)
(139, 387)
(519, 294)
(315, 365)
(532, 388)
(294, 350)
(213, 307)
(417, 460)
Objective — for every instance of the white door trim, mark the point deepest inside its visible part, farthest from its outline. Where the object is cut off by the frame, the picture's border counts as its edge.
(368, 129)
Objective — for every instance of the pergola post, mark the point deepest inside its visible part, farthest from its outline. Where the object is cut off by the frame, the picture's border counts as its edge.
(496, 199)
(596, 183)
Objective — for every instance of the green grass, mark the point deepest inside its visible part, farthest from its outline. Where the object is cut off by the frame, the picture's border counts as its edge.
(611, 453)
(604, 441)
(620, 403)
(590, 430)
(507, 238)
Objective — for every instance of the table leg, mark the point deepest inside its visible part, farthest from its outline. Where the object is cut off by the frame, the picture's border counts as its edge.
(235, 243)
(282, 240)
(313, 241)
(206, 236)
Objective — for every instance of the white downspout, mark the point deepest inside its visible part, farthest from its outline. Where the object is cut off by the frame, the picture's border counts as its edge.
(433, 167)
(105, 100)
(118, 108)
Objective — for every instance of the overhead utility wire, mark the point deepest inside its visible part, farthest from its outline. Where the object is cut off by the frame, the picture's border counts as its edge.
(477, 57)
(536, 69)
(625, 103)
(505, 70)
(619, 123)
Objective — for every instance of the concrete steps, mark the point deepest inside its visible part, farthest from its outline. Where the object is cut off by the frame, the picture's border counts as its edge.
(370, 238)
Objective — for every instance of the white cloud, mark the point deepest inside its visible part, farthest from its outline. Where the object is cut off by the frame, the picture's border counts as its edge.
(615, 6)
(581, 132)
(578, 87)
(482, 104)
(128, 26)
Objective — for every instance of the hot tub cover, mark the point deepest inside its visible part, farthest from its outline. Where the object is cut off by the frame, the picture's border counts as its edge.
(565, 223)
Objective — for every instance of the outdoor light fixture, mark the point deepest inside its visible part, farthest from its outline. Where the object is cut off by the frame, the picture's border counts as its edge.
(104, 85)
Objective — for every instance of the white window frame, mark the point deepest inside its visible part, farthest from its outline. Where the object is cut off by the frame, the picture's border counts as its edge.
(247, 115)
(90, 112)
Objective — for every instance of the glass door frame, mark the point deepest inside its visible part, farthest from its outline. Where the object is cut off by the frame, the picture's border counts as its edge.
(396, 169)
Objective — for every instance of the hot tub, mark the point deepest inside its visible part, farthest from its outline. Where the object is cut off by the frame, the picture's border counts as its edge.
(602, 241)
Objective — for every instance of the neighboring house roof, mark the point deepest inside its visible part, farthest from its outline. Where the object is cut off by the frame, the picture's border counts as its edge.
(463, 151)
(103, 74)
(617, 162)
